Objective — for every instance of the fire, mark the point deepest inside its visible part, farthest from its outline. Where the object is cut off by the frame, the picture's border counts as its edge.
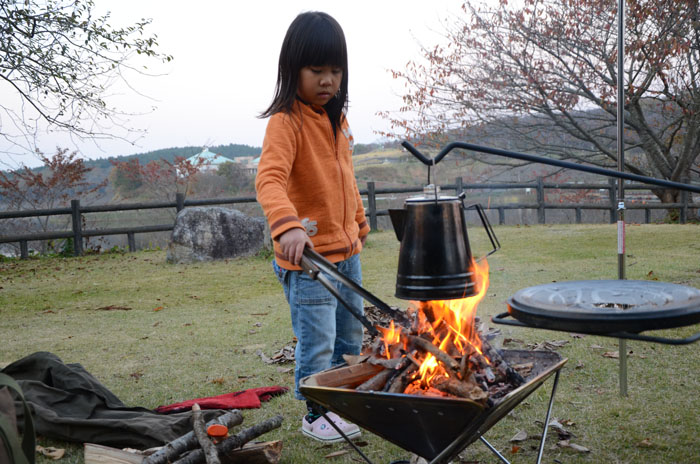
(391, 336)
(450, 324)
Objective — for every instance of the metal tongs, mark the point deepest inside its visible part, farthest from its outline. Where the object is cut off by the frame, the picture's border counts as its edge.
(316, 266)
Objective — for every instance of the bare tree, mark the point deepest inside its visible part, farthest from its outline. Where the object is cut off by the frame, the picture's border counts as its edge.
(59, 59)
(541, 75)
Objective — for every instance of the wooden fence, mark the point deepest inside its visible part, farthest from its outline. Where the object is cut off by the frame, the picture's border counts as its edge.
(76, 210)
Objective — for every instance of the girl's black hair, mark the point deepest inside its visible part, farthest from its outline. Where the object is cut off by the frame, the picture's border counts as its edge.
(313, 39)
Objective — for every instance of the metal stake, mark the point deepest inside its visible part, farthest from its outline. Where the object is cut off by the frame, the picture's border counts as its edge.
(620, 182)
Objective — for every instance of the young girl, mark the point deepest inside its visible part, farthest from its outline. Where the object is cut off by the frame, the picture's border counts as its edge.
(306, 187)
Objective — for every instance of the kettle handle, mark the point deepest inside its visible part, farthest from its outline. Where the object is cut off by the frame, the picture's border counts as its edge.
(489, 230)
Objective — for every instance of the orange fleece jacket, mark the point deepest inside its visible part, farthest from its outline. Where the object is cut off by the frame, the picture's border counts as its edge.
(306, 180)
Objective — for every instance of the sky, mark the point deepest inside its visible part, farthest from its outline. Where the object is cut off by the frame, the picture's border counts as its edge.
(225, 64)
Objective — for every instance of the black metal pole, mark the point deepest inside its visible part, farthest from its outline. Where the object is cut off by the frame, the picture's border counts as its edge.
(550, 161)
(621, 274)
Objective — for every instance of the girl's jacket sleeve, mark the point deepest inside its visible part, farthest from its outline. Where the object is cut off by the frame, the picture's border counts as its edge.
(277, 158)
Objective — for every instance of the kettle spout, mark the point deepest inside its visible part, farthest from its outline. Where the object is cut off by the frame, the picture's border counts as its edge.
(398, 220)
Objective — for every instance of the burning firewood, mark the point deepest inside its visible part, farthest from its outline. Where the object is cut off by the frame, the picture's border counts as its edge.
(464, 365)
(377, 382)
(456, 387)
(400, 382)
(441, 356)
(438, 349)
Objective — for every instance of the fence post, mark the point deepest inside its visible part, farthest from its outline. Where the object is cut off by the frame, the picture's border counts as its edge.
(612, 193)
(23, 249)
(77, 228)
(372, 205)
(179, 201)
(459, 186)
(684, 200)
(578, 215)
(131, 238)
(647, 215)
(540, 201)
(501, 215)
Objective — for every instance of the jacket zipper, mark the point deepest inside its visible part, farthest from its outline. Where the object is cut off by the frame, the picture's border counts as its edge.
(334, 142)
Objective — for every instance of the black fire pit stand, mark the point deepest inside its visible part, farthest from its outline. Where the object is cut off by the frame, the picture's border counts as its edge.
(449, 451)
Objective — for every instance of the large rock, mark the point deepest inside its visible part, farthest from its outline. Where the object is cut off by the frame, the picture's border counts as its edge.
(210, 233)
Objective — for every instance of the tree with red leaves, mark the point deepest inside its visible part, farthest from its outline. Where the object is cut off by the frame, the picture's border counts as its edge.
(158, 179)
(540, 76)
(62, 178)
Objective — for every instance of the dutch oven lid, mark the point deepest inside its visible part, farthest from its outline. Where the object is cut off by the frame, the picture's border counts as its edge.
(606, 306)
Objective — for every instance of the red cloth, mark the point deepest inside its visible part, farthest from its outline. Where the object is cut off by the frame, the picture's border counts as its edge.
(244, 399)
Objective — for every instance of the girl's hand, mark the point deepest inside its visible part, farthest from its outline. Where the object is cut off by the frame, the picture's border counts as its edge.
(293, 243)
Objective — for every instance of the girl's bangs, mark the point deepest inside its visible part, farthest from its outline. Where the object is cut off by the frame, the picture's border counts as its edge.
(327, 47)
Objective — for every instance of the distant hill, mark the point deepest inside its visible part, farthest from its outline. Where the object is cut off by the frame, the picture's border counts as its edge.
(231, 150)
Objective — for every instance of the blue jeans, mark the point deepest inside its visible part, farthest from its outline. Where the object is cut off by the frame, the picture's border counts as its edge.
(325, 330)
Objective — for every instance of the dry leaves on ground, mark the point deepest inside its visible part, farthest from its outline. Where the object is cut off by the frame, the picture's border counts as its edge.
(377, 318)
(283, 356)
(113, 308)
(646, 443)
(562, 432)
(552, 345)
(615, 354)
(51, 452)
(573, 446)
(520, 436)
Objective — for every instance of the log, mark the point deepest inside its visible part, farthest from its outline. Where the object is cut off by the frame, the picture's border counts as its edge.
(468, 390)
(210, 454)
(384, 362)
(232, 443)
(440, 355)
(189, 441)
(353, 359)
(377, 382)
(495, 356)
(268, 452)
(464, 366)
(99, 454)
(347, 376)
(399, 384)
(398, 370)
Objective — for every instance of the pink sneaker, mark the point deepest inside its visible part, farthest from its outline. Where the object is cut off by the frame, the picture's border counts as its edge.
(321, 430)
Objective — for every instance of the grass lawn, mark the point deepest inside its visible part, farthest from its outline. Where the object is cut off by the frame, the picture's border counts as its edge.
(186, 331)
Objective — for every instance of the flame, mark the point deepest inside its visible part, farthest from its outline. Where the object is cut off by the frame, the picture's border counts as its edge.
(456, 315)
(391, 336)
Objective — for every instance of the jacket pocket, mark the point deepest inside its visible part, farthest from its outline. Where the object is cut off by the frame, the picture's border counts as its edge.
(280, 272)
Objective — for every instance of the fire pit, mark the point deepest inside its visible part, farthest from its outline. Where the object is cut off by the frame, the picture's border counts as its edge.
(437, 429)
(432, 383)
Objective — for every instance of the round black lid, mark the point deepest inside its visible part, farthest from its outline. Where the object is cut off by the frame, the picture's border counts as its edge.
(606, 306)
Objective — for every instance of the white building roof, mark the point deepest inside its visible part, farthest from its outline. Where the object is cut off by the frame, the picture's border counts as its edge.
(208, 158)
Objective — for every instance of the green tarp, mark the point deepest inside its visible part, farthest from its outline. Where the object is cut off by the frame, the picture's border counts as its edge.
(69, 404)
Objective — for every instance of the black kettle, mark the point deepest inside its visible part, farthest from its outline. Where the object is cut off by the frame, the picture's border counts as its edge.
(435, 259)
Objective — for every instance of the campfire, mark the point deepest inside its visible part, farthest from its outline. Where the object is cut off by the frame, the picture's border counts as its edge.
(429, 379)
(441, 351)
